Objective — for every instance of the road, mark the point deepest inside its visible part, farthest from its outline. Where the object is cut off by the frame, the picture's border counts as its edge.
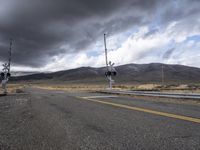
(58, 120)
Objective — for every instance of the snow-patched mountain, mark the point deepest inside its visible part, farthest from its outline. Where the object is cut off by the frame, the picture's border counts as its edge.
(130, 73)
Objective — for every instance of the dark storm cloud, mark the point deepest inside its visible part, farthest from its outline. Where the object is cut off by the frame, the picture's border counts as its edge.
(43, 29)
(179, 9)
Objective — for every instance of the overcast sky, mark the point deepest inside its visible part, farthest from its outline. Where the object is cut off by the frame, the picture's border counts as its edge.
(53, 35)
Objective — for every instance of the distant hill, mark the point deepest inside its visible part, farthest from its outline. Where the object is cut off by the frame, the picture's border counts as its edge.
(130, 73)
(21, 73)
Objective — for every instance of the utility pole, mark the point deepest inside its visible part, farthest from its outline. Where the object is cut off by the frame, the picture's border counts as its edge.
(106, 51)
(5, 75)
(162, 74)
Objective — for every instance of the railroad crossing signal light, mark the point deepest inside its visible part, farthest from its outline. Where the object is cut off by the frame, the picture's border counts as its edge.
(109, 73)
(8, 75)
(2, 75)
(114, 73)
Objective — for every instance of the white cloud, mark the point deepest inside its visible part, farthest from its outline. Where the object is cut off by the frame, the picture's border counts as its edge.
(179, 31)
(137, 46)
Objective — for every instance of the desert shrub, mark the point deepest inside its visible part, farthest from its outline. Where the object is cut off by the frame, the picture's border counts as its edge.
(19, 91)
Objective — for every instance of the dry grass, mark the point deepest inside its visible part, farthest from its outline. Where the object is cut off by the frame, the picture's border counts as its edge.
(73, 87)
(13, 88)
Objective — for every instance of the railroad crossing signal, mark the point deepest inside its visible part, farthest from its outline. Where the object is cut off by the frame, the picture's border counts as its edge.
(5, 75)
(109, 66)
(6, 67)
(111, 70)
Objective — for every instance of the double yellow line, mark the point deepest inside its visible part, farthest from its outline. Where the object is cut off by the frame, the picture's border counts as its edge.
(180, 117)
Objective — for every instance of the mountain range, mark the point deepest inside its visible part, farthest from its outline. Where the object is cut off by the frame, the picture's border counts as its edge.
(130, 73)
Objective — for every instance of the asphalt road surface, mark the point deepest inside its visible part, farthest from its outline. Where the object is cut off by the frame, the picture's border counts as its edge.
(56, 120)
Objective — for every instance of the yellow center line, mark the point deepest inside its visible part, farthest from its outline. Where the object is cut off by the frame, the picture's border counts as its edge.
(180, 117)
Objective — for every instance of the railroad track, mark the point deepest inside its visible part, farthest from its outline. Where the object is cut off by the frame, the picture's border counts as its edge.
(155, 94)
